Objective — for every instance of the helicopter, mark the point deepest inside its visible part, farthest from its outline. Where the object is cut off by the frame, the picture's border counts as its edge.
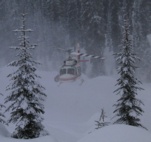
(71, 69)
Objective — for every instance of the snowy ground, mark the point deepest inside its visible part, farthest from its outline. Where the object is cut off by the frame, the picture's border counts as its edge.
(71, 110)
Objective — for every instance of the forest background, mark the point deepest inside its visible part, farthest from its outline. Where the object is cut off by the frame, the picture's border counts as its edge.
(96, 25)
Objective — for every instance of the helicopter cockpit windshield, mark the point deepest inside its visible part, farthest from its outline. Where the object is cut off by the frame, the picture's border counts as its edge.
(62, 71)
(71, 71)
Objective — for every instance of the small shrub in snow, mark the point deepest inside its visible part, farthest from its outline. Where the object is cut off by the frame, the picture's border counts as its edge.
(101, 122)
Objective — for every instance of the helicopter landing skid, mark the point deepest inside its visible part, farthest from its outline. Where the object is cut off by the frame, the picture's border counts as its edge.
(80, 82)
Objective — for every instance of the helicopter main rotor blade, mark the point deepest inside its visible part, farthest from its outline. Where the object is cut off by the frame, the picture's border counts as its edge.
(69, 51)
(87, 55)
(66, 50)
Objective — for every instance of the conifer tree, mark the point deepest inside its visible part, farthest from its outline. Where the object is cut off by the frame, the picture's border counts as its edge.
(128, 106)
(26, 94)
(2, 116)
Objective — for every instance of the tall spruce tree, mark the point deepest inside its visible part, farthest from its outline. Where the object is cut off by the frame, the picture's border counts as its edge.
(26, 94)
(2, 116)
(128, 106)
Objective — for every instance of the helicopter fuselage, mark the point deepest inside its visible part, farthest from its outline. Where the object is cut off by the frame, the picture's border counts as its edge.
(69, 71)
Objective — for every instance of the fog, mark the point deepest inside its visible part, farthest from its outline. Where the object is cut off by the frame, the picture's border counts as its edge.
(96, 26)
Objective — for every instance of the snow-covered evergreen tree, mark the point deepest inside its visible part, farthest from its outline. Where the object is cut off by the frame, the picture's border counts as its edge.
(26, 94)
(2, 116)
(128, 106)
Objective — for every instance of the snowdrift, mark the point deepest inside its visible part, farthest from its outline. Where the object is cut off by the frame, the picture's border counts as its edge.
(71, 110)
(118, 133)
(3, 131)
